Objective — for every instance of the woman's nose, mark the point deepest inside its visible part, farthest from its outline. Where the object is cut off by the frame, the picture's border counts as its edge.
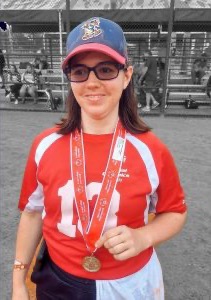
(92, 79)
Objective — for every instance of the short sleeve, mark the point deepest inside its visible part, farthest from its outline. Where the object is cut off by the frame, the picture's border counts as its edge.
(169, 196)
(31, 195)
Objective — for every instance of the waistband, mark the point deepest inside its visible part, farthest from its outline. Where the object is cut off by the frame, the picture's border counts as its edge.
(69, 277)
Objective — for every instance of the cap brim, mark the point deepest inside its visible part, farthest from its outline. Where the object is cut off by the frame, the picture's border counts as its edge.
(96, 48)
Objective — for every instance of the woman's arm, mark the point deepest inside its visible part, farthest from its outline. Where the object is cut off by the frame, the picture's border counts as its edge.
(8, 81)
(18, 77)
(23, 78)
(143, 73)
(35, 78)
(124, 242)
(28, 237)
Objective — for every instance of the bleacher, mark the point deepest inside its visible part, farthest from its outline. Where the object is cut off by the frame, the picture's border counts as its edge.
(179, 84)
(24, 49)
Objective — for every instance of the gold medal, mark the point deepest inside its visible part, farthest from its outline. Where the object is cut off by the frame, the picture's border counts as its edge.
(91, 263)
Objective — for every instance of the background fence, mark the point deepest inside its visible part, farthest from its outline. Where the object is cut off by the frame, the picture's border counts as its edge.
(175, 55)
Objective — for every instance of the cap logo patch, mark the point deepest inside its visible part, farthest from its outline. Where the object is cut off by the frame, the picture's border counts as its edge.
(91, 29)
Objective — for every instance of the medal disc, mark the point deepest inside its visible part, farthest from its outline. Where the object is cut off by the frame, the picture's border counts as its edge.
(91, 264)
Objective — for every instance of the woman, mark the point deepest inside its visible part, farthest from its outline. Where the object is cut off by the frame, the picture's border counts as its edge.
(199, 68)
(30, 81)
(41, 55)
(93, 179)
(14, 83)
(37, 66)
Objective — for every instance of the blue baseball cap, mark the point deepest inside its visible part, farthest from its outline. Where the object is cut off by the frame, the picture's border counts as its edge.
(99, 35)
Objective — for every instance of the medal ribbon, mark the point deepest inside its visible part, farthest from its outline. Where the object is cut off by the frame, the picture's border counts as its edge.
(92, 229)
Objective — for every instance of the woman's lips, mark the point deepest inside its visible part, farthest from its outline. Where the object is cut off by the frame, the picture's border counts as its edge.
(94, 98)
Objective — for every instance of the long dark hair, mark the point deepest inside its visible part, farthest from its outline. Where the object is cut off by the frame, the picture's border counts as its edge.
(14, 66)
(128, 114)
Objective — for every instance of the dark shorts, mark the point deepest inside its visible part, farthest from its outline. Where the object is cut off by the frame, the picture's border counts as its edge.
(55, 284)
(149, 86)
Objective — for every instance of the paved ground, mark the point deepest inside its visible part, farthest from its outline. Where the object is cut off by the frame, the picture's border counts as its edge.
(185, 259)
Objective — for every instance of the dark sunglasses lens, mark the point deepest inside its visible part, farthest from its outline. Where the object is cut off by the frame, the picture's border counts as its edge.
(78, 73)
(107, 71)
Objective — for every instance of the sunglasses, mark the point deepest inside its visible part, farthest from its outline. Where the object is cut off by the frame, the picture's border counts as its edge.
(103, 71)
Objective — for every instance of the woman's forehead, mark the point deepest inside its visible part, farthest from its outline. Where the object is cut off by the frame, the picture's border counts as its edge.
(89, 57)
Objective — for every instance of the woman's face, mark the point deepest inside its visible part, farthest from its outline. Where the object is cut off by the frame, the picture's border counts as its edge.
(12, 69)
(29, 69)
(97, 98)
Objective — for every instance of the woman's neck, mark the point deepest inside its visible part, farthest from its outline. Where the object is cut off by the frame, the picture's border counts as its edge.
(99, 126)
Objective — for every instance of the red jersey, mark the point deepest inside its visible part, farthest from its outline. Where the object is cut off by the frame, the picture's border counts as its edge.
(148, 182)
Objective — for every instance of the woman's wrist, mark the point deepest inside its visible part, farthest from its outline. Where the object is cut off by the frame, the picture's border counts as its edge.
(20, 270)
(145, 238)
(19, 265)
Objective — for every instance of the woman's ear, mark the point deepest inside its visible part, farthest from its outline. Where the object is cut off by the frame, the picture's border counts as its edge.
(128, 76)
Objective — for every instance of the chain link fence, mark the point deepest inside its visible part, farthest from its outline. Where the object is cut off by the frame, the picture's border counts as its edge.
(190, 45)
(189, 68)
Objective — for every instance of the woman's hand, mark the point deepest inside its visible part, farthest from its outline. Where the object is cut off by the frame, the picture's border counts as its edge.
(20, 292)
(124, 242)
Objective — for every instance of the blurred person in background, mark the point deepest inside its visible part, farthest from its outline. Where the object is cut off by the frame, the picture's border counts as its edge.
(43, 58)
(162, 63)
(30, 81)
(199, 68)
(2, 65)
(148, 80)
(14, 83)
(136, 76)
